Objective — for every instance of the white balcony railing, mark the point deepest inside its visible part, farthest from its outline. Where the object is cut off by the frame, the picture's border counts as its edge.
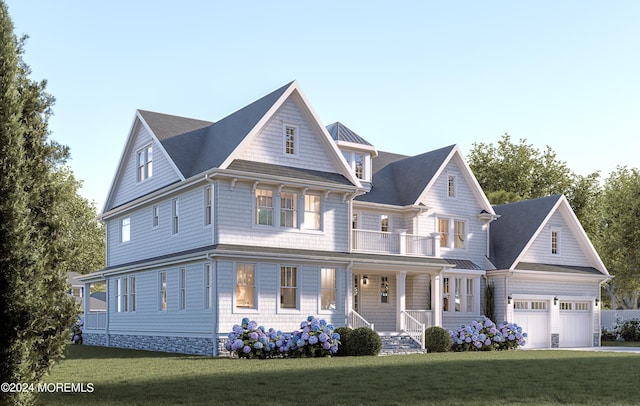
(399, 243)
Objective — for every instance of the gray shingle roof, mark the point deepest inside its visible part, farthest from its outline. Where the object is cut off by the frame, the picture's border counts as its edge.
(402, 180)
(530, 266)
(288, 171)
(516, 226)
(196, 146)
(341, 132)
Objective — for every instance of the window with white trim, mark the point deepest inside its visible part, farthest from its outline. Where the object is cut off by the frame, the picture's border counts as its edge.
(453, 232)
(207, 205)
(312, 213)
(175, 215)
(459, 294)
(288, 209)
(451, 186)
(125, 229)
(288, 287)
(144, 164)
(155, 213)
(459, 233)
(555, 241)
(264, 207)
(123, 303)
(328, 289)
(245, 286)
(162, 288)
(290, 139)
(183, 288)
(360, 164)
(384, 223)
(443, 229)
(132, 293)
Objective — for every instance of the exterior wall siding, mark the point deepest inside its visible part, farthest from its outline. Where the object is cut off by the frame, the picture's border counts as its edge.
(570, 252)
(149, 241)
(268, 146)
(464, 206)
(128, 187)
(236, 220)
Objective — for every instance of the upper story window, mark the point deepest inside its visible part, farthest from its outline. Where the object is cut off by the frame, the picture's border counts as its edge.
(145, 163)
(555, 242)
(156, 215)
(451, 186)
(207, 205)
(312, 212)
(175, 214)
(459, 234)
(288, 209)
(125, 229)
(360, 163)
(443, 229)
(453, 233)
(264, 207)
(290, 140)
(384, 223)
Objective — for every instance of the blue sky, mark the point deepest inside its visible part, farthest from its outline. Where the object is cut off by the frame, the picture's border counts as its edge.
(408, 76)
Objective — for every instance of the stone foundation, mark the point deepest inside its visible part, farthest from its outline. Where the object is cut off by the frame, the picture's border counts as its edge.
(181, 345)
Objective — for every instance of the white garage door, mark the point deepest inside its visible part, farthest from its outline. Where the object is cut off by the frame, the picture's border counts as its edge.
(575, 324)
(533, 317)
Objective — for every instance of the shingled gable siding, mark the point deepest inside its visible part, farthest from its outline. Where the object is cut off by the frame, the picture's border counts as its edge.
(236, 221)
(267, 288)
(194, 322)
(570, 252)
(163, 173)
(268, 146)
(464, 206)
(148, 241)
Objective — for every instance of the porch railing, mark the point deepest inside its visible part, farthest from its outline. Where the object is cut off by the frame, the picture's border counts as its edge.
(423, 316)
(357, 321)
(393, 243)
(413, 328)
(95, 320)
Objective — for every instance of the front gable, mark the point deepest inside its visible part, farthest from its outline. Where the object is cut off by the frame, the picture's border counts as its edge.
(127, 183)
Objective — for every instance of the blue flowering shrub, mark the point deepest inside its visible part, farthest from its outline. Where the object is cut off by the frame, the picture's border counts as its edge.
(484, 335)
(76, 331)
(315, 338)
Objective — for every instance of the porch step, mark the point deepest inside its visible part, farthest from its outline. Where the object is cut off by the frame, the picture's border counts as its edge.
(398, 343)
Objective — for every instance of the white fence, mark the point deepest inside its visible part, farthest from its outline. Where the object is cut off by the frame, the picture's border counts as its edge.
(608, 318)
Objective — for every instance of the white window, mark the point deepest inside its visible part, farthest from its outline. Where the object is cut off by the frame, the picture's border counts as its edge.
(288, 287)
(288, 209)
(125, 229)
(358, 165)
(175, 215)
(156, 215)
(451, 186)
(290, 139)
(183, 288)
(443, 229)
(264, 207)
(555, 241)
(459, 234)
(464, 294)
(384, 223)
(145, 163)
(208, 279)
(354, 221)
(132, 293)
(328, 289)
(453, 233)
(124, 289)
(312, 214)
(207, 205)
(245, 286)
(162, 297)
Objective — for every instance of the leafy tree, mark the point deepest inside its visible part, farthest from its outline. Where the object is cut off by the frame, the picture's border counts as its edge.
(620, 236)
(510, 172)
(46, 229)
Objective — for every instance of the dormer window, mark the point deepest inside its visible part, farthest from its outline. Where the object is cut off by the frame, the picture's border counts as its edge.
(290, 138)
(555, 242)
(145, 163)
(360, 163)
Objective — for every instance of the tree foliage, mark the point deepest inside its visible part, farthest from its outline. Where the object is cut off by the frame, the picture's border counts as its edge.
(46, 229)
(619, 239)
(509, 172)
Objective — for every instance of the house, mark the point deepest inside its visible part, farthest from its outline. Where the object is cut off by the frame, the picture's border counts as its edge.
(270, 215)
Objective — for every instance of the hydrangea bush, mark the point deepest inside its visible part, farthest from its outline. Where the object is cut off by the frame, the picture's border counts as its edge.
(315, 338)
(76, 331)
(484, 335)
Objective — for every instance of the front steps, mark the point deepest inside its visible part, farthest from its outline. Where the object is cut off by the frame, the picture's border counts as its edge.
(396, 343)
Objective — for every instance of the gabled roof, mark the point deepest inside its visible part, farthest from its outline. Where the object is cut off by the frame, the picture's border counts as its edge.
(519, 225)
(402, 181)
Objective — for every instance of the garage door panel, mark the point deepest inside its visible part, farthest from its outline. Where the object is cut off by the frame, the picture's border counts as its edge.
(575, 324)
(533, 317)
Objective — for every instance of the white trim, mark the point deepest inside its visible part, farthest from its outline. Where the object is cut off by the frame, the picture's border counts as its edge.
(235, 309)
(285, 139)
(298, 287)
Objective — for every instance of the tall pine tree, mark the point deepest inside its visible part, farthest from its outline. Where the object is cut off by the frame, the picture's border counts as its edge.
(35, 309)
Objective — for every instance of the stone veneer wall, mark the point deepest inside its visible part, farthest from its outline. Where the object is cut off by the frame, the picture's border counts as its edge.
(182, 345)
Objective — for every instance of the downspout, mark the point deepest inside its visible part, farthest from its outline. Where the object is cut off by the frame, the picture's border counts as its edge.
(348, 297)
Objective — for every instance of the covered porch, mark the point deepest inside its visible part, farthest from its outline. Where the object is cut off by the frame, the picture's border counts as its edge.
(396, 300)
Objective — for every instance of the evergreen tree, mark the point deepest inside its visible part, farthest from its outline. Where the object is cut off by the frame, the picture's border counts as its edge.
(45, 227)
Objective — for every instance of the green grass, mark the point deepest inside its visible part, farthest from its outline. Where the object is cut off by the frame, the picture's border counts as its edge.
(492, 378)
(620, 344)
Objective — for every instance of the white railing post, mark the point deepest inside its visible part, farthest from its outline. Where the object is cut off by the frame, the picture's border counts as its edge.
(436, 244)
(402, 244)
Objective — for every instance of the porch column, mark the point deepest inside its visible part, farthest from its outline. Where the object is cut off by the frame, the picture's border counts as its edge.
(86, 301)
(401, 280)
(436, 299)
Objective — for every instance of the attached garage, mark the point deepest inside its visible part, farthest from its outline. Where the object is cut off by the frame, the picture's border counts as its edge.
(575, 324)
(533, 316)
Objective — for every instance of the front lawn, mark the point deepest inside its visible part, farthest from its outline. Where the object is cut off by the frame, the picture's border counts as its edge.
(511, 377)
(620, 344)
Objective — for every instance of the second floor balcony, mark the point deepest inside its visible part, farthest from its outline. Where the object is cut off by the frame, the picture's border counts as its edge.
(398, 243)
